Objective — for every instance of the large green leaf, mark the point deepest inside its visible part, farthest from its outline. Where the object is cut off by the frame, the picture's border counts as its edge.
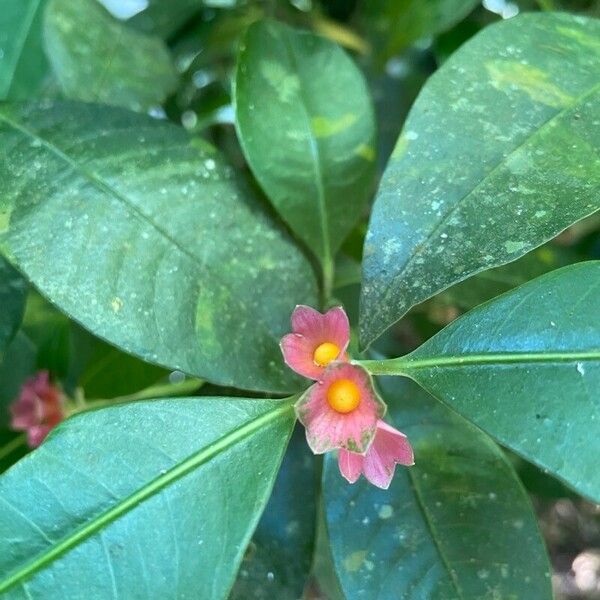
(394, 25)
(23, 64)
(306, 126)
(168, 493)
(279, 557)
(500, 153)
(148, 239)
(525, 367)
(457, 525)
(13, 290)
(97, 58)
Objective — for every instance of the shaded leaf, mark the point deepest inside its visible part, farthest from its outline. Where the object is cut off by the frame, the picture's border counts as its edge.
(165, 18)
(306, 125)
(96, 58)
(23, 64)
(456, 525)
(489, 284)
(103, 371)
(395, 25)
(499, 154)
(279, 557)
(147, 238)
(17, 365)
(525, 367)
(13, 290)
(169, 492)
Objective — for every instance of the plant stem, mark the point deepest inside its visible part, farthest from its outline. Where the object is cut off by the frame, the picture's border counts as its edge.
(328, 276)
(155, 391)
(392, 366)
(13, 445)
(546, 4)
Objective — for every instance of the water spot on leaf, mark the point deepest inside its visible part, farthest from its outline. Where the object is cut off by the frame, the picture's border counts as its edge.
(353, 562)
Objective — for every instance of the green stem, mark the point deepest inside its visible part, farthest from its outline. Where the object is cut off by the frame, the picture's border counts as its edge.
(13, 445)
(155, 391)
(405, 365)
(328, 277)
(546, 5)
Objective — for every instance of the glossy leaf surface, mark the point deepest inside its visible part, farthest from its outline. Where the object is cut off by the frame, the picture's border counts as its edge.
(500, 152)
(457, 525)
(525, 367)
(168, 493)
(147, 238)
(306, 126)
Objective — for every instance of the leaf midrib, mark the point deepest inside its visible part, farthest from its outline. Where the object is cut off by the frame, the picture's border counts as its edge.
(406, 364)
(108, 189)
(192, 462)
(418, 248)
(432, 530)
(315, 156)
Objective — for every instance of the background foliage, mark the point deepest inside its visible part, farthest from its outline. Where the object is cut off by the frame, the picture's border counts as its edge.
(176, 176)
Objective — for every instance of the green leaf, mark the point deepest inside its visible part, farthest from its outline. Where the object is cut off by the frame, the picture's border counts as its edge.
(499, 154)
(306, 125)
(96, 58)
(395, 25)
(147, 238)
(17, 365)
(456, 525)
(488, 284)
(168, 493)
(103, 371)
(279, 557)
(324, 567)
(50, 332)
(23, 64)
(165, 18)
(13, 290)
(13, 446)
(525, 367)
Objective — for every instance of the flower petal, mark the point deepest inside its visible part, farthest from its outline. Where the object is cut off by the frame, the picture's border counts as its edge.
(336, 328)
(298, 355)
(327, 429)
(38, 408)
(37, 434)
(306, 321)
(390, 447)
(351, 465)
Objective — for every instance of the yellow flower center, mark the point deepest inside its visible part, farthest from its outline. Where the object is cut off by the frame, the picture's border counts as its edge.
(343, 396)
(325, 353)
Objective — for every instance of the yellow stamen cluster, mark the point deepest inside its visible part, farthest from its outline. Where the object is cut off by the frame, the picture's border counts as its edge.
(343, 396)
(325, 353)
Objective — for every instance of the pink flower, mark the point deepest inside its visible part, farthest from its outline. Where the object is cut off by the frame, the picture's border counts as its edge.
(38, 408)
(390, 447)
(341, 410)
(316, 340)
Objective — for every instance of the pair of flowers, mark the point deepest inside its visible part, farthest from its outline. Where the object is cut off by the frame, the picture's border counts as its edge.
(342, 409)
